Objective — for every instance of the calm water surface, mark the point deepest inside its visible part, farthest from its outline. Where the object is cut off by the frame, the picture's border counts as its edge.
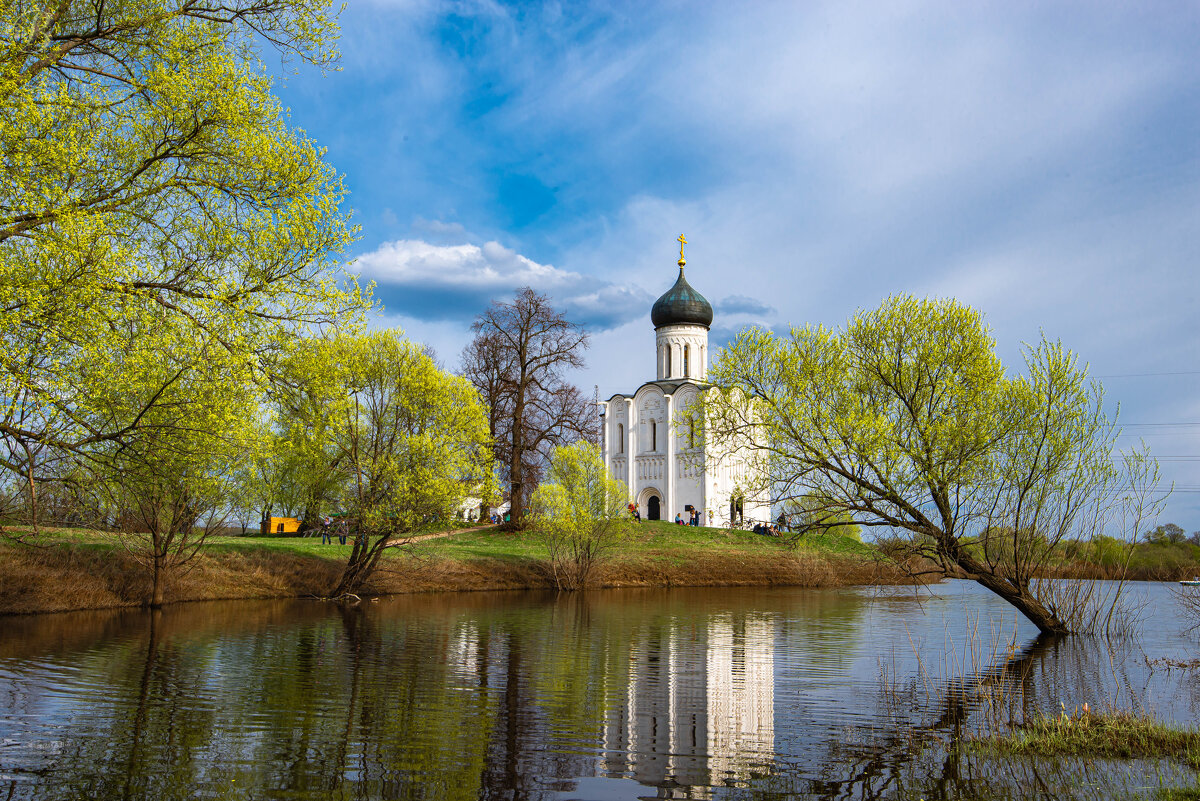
(685, 693)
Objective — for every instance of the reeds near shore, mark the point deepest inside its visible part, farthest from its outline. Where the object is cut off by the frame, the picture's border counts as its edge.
(984, 705)
(1115, 734)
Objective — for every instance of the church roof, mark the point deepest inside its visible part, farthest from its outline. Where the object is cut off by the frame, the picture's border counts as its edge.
(667, 387)
(681, 305)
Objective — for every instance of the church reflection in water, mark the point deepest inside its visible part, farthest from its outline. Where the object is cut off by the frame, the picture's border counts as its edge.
(700, 706)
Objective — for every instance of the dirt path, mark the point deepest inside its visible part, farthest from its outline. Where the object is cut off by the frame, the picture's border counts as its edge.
(437, 535)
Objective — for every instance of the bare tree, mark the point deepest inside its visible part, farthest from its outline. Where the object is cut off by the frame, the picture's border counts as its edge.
(516, 362)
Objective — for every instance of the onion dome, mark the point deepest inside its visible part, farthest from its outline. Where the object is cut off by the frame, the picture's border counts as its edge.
(681, 305)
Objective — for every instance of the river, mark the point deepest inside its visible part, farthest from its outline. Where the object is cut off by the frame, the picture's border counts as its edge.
(620, 694)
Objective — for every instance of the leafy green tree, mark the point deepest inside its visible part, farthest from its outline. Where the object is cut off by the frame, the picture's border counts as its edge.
(1168, 533)
(580, 513)
(410, 441)
(804, 514)
(171, 482)
(153, 200)
(906, 421)
(311, 470)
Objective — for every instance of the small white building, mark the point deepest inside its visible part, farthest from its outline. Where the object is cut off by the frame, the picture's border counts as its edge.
(666, 466)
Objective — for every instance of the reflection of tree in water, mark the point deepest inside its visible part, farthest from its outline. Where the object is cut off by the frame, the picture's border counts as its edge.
(471, 698)
(158, 740)
(918, 749)
(506, 701)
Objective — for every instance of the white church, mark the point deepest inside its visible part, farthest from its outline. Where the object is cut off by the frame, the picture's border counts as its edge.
(667, 467)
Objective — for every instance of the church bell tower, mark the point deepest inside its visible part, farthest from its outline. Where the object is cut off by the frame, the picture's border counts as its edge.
(681, 320)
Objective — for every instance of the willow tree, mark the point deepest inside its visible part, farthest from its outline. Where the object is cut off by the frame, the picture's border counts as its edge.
(906, 420)
(153, 200)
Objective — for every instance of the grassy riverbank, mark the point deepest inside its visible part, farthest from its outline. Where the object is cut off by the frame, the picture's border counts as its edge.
(78, 569)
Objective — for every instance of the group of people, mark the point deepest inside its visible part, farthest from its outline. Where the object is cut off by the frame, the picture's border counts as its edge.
(766, 529)
(331, 529)
(692, 518)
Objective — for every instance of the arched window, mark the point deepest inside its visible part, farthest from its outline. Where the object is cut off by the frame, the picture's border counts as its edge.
(686, 352)
(667, 374)
(691, 432)
(653, 435)
(620, 437)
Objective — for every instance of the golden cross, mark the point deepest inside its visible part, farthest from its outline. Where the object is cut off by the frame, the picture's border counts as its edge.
(682, 242)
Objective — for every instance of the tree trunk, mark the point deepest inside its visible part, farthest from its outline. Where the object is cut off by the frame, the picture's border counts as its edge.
(156, 591)
(33, 497)
(1025, 603)
(312, 515)
(516, 468)
(1019, 596)
(363, 558)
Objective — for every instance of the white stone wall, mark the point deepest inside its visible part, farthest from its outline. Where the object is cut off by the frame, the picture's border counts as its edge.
(614, 438)
(646, 448)
(672, 343)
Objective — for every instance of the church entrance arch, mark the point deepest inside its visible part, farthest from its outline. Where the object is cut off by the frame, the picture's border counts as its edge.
(651, 503)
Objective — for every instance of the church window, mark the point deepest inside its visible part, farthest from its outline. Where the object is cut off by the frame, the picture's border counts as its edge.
(620, 437)
(692, 432)
(653, 436)
(686, 352)
(668, 373)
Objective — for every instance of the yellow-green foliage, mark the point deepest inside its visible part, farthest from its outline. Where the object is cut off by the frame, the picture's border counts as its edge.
(580, 511)
(410, 441)
(1109, 551)
(906, 418)
(162, 227)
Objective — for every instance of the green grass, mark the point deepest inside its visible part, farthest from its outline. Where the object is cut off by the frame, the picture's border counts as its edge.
(486, 544)
(1111, 735)
(653, 539)
(304, 546)
(89, 538)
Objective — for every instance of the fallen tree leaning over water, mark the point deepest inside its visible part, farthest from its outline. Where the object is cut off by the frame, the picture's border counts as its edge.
(905, 421)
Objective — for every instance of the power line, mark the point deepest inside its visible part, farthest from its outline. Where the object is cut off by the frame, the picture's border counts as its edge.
(1142, 425)
(1147, 375)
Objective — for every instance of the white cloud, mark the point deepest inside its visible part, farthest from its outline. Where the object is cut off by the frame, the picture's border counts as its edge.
(490, 265)
(456, 282)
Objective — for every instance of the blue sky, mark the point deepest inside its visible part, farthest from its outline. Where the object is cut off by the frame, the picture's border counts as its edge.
(1038, 161)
